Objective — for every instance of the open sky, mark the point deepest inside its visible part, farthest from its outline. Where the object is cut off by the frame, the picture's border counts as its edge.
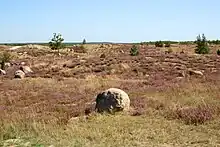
(108, 20)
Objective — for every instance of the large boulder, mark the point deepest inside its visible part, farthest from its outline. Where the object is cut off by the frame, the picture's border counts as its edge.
(112, 100)
(26, 69)
(19, 74)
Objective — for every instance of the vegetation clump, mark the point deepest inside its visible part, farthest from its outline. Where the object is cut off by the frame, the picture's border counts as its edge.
(5, 57)
(218, 52)
(196, 116)
(170, 50)
(167, 44)
(84, 41)
(159, 44)
(56, 42)
(134, 50)
(202, 45)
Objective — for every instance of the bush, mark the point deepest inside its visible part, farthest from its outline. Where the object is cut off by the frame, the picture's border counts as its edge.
(167, 44)
(159, 44)
(56, 42)
(194, 115)
(218, 52)
(134, 51)
(79, 49)
(170, 50)
(202, 45)
(5, 57)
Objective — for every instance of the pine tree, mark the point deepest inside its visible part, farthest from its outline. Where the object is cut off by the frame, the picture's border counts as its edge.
(134, 51)
(202, 46)
(56, 42)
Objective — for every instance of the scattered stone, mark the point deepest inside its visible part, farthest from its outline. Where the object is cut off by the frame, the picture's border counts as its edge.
(26, 69)
(112, 100)
(15, 47)
(195, 72)
(19, 74)
(7, 64)
(77, 119)
(179, 78)
(82, 61)
(214, 70)
(22, 63)
(150, 59)
(16, 142)
(112, 71)
(124, 66)
(146, 75)
(2, 72)
(182, 74)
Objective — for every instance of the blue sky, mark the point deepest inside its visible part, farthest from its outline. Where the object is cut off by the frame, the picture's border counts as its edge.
(108, 20)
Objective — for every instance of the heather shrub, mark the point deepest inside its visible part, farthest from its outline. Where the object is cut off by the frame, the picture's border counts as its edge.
(170, 50)
(79, 49)
(194, 115)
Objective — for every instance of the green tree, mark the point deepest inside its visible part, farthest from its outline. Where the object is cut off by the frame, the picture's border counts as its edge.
(56, 42)
(134, 51)
(167, 44)
(159, 43)
(84, 41)
(202, 45)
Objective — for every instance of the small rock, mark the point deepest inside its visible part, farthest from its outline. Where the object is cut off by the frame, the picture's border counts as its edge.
(19, 74)
(146, 75)
(112, 71)
(124, 66)
(26, 69)
(195, 72)
(7, 64)
(150, 59)
(82, 61)
(22, 63)
(179, 78)
(214, 70)
(2, 72)
(77, 119)
(182, 74)
(112, 100)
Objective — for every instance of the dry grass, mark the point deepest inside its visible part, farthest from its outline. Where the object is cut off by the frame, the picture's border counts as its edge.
(38, 111)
